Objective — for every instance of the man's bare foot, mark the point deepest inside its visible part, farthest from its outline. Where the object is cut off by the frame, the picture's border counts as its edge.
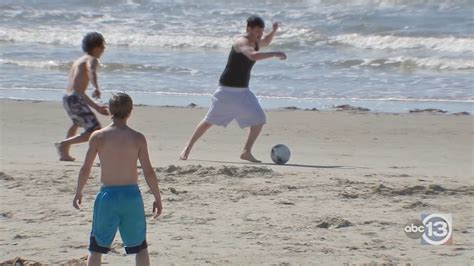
(185, 153)
(62, 153)
(249, 157)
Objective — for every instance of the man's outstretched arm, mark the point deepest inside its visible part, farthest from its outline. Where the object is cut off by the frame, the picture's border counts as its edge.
(242, 45)
(265, 41)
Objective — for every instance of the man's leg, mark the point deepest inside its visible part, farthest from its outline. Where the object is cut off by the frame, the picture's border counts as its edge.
(247, 152)
(142, 258)
(201, 128)
(94, 259)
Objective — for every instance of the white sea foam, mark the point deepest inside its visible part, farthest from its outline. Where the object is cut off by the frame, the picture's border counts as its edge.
(448, 44)
(407, 62)
(47, 64)
(109, 66)
(123, 37)
(131, 37)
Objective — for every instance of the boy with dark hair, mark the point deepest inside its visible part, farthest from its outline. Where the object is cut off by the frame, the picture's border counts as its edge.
(75, 100)
(92, 40)
(119, 204)
(233, 99)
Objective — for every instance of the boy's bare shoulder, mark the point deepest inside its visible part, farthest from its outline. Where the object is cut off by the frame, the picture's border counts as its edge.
(96, 137)
(82, 59)
(91, 59)
(138, 135)
(80, 62)
(108, 132)
(86, 60)
(98, 134)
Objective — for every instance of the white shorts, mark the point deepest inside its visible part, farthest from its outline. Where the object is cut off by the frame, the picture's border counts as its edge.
(230, 103)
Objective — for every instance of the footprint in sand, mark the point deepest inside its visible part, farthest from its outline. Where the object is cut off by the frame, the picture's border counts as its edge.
(415, 205)
(333, 222)
(6, 215)
(5, 177)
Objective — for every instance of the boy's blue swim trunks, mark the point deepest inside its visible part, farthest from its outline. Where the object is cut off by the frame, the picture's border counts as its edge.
(118, 207)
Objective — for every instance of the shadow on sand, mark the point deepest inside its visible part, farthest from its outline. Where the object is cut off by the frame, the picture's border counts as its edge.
(79, 163)
(278, 165)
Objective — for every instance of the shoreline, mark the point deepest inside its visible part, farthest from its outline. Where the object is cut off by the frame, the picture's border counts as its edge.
(337, 108)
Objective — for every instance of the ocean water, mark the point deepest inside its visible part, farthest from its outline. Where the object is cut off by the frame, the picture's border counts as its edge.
(385, 55)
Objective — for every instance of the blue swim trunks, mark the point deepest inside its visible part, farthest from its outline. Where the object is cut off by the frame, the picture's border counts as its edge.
(118, 207)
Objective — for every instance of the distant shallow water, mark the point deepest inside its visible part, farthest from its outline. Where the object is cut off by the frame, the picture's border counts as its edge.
(388, 56)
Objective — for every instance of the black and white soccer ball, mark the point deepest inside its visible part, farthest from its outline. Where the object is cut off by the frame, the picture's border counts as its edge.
(280, 154)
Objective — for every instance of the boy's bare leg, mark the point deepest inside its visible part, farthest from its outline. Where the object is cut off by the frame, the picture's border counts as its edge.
(63, 146)
(72, 130)
(247, 152)
(94, 259)
(142, 259)
(70, 133)
(201, 128)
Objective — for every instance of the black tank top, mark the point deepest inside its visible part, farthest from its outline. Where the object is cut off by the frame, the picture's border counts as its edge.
(237, 70)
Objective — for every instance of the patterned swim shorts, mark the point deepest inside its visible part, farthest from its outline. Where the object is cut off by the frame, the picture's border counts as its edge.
(79, 112)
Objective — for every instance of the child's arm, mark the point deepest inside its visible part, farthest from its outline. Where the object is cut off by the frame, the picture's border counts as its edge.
(92, 73)
(150, 175)
(85, 171)
(102, 109)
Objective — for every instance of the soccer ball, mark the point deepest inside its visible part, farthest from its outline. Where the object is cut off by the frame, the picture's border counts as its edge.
(280, 154)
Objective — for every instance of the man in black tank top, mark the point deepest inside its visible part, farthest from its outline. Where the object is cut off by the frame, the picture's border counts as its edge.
(233, 98)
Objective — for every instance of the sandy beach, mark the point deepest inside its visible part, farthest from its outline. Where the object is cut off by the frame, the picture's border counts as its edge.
(354, 180)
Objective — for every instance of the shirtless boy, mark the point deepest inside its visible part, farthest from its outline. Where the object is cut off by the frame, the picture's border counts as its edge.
(75, 100)
(119, 203)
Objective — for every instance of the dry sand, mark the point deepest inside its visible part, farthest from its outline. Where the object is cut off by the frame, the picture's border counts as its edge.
(354, 180)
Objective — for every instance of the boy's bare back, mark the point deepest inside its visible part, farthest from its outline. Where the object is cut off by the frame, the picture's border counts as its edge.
(79, 74)
(119, 148)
